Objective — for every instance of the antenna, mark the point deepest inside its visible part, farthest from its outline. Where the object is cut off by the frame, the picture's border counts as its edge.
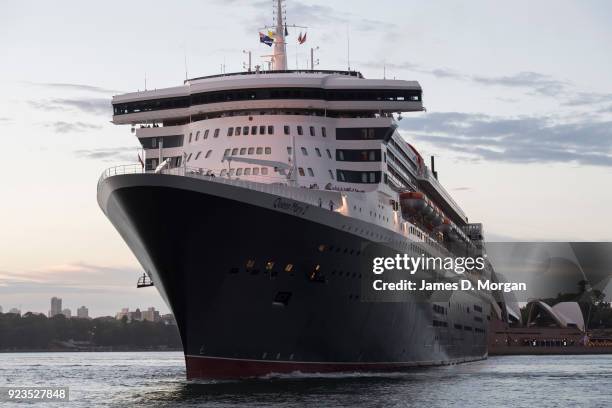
(348, 47)
(185, 57)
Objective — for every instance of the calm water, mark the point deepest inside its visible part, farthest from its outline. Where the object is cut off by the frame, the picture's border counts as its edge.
(158, 380)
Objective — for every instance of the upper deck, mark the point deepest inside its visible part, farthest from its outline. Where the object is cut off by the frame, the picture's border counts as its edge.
(317, 90)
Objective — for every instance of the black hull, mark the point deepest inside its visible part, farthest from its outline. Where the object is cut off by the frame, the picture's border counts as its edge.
(195, 241)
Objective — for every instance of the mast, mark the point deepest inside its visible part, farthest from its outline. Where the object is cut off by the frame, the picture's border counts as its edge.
(279, 58)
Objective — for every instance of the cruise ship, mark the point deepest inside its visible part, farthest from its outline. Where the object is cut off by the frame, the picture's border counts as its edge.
(259, 202)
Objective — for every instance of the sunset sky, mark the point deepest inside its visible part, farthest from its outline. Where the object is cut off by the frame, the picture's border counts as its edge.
(518, 97)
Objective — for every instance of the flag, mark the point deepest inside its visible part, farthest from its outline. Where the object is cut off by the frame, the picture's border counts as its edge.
(265, 39)
(302, 38)
(271, 34)
(140, 160)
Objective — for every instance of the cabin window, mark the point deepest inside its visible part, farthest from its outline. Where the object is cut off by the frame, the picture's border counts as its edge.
(239, 172)
(205, 134)
(328, 153)
(301, 171)
(310, 172)
(262, 130)
(189, 157)
(289, 268)
(237, 131)
(331, 174)
(259, 150)
(234, 151)
(227, 152)
(270, 130)
(208, 154)
(190, 135)
(245, 131)
(323, 132)
(232, 171)
(256, 171)
(264, 171)
(318, 151)
(312, 131)
(197, 136)
(289, 150)
(198, 155)
(286, 130)
(300, 130)
(268, 150)
(216, 133)
(304, 151)
(243, 151)
(230, 131)
(253, 130)
(223, 172)
(251, 150)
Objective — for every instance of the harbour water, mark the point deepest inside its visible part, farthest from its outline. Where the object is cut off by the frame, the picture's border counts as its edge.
(157, 379)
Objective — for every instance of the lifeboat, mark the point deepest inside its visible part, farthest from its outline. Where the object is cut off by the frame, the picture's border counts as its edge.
(444, 226)
(416, 203)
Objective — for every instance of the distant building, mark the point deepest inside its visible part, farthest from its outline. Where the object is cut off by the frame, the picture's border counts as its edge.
(169, 319)
(83, 312)
(15, 311)
(124, 312)
(151, 315)
(56, 306)
(67, 313)
(135, 315)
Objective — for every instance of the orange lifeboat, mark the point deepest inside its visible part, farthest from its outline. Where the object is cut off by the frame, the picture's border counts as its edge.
(416, 203)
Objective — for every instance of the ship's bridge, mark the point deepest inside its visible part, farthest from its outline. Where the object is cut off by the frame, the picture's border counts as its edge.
(328, 91)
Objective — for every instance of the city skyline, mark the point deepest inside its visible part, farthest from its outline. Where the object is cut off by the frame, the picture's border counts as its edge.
(519, 116)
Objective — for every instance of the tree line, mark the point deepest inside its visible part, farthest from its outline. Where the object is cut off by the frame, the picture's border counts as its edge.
(37, 332)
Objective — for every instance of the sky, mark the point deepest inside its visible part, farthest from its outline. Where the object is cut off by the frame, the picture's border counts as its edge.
(518, 97)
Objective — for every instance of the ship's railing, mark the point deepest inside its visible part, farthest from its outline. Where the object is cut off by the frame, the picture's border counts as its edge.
(428, 176)
(277, 185)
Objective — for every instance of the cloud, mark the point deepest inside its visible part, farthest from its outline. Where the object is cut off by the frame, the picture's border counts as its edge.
(77, 87)
(522, 139)
(112, 154)
(95, 106)
(67, 127)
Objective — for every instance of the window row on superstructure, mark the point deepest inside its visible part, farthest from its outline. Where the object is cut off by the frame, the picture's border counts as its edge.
(255, 171)
(233, 95)
(247, 150)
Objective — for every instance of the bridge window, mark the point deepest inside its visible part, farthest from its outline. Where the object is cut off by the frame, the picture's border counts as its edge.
(270, 130)
(357, 155)
(230, 131)
(237, 130)
(253, 130)
(245, 131)
(259, 150)
(362, 133)
(312, 131)
(262, 130)
(251, 150)
(350, 176)
(300, 131)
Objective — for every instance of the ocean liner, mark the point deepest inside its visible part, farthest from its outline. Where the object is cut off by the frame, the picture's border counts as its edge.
(259, 201)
